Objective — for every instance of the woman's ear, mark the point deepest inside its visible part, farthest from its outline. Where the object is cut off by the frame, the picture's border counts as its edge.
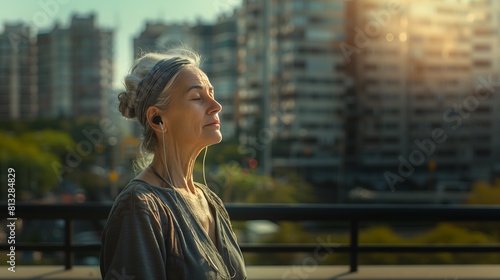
(155, 121)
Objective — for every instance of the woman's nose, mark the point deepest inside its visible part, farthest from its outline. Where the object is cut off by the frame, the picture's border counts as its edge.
(215, 107)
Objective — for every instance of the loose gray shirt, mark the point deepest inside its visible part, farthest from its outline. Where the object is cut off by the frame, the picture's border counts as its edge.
(152, 234)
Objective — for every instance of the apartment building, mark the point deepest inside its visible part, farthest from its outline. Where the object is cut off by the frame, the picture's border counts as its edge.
(223, 70)
(416, 67)
(291, 86)
(18, 87)
(75, 69)
(485, 50)
(159, 37)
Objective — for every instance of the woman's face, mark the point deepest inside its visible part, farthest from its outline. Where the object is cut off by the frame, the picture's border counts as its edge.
(192, 114)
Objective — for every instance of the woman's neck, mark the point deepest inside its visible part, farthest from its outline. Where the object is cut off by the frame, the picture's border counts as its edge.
(180, 166)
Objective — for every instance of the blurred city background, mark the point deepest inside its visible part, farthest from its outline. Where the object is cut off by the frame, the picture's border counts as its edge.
(324, 101)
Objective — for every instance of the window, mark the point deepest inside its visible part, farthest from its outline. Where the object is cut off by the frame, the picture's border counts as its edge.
(482, 48)
(319, 65)
(482, 63)
(299, 20)
(319, 35)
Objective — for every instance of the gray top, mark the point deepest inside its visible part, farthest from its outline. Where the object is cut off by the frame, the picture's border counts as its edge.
(152, 234)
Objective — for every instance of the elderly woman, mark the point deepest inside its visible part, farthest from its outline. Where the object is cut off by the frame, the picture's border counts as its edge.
(163, 225)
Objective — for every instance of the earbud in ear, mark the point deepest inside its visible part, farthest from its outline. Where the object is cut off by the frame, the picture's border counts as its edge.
(157, 120)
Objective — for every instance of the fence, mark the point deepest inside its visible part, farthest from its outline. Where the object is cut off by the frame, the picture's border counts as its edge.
(354, 214)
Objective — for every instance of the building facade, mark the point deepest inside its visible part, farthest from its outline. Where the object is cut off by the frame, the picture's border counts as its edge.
(75, 69)
(418, 115)
(160, 37)
(291, 86)
(223, 72)
(18, 81)
(485, 49)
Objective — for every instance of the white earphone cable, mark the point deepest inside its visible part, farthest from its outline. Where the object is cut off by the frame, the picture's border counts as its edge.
(175, 193)
(204, 157)
(165, 161)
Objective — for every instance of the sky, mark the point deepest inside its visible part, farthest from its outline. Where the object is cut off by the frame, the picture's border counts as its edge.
(127, 18)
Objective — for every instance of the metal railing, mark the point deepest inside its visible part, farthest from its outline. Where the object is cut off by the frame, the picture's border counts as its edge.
(354, 214)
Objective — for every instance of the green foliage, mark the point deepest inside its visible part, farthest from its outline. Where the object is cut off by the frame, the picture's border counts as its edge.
(449, 233)
(32, 161)
(43, 151)
(18, 127)
(443, 233)
(51, 141)
(236, 184)
(222, 153)
(484, 193)
(72, 127)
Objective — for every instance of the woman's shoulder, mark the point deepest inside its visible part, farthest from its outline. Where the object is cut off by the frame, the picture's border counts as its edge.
(137, 196)
(135, 190)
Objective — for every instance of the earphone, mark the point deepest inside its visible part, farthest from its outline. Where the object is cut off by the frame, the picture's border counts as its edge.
(158, 120)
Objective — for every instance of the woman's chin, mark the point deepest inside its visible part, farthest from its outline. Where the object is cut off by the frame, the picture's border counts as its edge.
(214, 139)
(218, 139)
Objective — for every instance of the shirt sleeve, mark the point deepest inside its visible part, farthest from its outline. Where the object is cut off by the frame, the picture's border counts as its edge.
(133, 246)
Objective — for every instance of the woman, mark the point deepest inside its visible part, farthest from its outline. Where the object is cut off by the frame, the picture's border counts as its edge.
(163, 225)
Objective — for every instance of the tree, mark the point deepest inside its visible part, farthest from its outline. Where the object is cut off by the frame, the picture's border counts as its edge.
(224, 152)
(45, 151)
(33, 165)
(236, 184)
(51, 141)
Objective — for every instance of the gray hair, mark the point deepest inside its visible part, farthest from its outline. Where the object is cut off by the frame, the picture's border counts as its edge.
(148, 84)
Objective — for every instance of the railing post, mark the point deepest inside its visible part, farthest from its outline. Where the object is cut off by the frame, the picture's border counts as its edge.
(68, 242)
(354, 246)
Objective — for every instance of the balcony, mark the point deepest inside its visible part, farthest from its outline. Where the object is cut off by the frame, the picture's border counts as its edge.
(309, 268)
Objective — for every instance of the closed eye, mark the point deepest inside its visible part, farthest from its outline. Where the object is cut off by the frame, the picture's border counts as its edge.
(196, 96)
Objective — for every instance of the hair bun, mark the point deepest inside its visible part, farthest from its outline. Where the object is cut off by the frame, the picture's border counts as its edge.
(126, 106)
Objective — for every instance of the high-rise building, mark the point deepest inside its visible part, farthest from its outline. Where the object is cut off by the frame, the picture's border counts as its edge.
(416, 66)
(54, 73)
(18, 88)
(160, 37)
(291, 86)
(147, 41)
(485, 49)
(378, 93)
(75, 69)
